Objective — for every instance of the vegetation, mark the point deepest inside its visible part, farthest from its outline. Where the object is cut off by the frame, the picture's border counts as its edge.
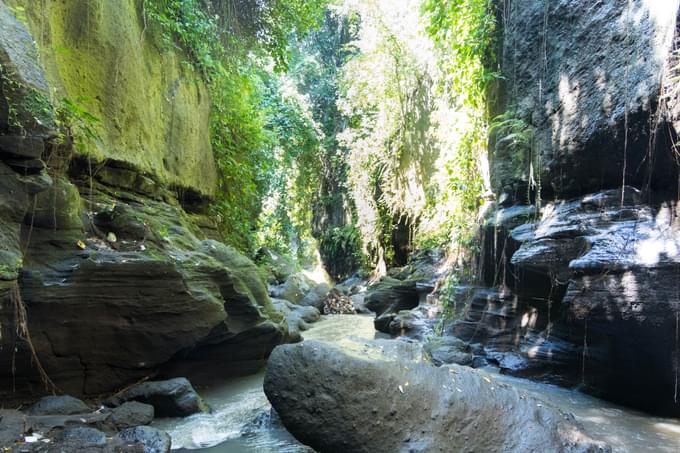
(348, 137)
(236, 47)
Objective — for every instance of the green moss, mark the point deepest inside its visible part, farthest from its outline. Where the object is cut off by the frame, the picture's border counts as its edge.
(154, 110)
(58, 207)
(10, 265)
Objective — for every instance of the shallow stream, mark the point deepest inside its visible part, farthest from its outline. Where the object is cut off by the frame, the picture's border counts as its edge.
(240, 419)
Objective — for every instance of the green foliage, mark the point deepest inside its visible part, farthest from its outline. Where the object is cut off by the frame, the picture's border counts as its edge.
(293, 141)
(343, 245)
(516, 136)
(512, 132)
(76, 125)
(229, 42)
(464, 33)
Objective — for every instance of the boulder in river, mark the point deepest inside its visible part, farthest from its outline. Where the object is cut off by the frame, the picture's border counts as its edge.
(153, 440)
(357, 397)
(171, 398)
(298, 317)
(131, 414)
(84, 437)
(389, 296)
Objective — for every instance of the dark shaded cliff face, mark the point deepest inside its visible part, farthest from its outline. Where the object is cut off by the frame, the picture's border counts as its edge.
(587, 77)
(584, 261)
(105, 277)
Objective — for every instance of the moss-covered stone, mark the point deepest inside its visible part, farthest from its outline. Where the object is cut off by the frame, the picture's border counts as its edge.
(59, 207)
(154, 110)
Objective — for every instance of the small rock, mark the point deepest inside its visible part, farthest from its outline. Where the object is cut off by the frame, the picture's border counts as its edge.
(154, 440)
(59, 405)
(84, 437)
(131, 414)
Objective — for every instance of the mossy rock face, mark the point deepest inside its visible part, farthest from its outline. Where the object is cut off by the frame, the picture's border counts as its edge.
(26, 115)
(154, 109)
(59, 207)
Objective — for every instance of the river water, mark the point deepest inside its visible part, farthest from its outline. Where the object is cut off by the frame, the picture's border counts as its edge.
(240, 421)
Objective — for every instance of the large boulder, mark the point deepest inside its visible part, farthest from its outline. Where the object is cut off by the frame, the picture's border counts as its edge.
(131, 414)
(171, 398)
(363, 399)
(388, 297)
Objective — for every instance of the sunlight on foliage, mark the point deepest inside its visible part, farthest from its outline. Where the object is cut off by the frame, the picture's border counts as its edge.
(415, 99)
(232, 45)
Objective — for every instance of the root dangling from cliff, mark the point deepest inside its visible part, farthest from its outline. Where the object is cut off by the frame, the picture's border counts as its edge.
(23, 333)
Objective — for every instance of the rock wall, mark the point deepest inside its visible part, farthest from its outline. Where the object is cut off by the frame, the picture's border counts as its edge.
(153, 107)
(580, 254)
(104, 276)
(580, 74)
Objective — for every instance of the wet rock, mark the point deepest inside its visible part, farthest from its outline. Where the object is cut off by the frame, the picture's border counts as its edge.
(59, 405)
(297, 317)
(389, 296)
(448, 350)
(359, 303)
(295, 288)
(153, 440)
(364, 400)
(417, 323)
(618, 259)
(280, 267)
(337, 303)
(83, 437)
(351, 286)
(132, 413)
(171, 398)
(316, 297)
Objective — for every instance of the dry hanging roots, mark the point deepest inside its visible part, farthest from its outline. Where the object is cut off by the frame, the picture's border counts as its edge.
(22, 332)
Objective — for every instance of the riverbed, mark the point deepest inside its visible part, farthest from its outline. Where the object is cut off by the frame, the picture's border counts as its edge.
(241, 423)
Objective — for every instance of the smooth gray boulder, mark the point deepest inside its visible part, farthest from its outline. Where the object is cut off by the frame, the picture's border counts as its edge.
(356, 397)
